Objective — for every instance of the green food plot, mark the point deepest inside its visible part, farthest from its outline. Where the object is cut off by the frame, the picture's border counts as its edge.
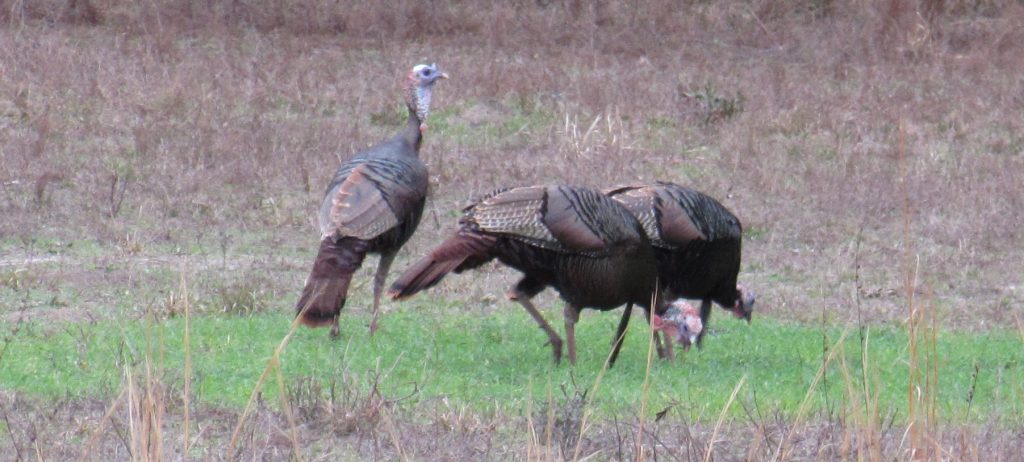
(498, 362)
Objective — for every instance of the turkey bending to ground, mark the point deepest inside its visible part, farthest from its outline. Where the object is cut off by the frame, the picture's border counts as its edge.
(585, 245)
(680, 322)
(372, 205)
(697, 244)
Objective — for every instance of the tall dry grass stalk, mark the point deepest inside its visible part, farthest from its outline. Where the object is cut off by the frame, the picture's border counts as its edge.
(274, 363)
(286, 407)
(599, 142)
(540, 447)
(862, 434)
(870, 419)
(146, 408)
(1020, 325)
(186, 389)
(651, 333)
(863, 428)
(396, 439)
(782, 451)
(592, 392)
(923, 430)
(549, 429)
(532, 441)
(721, 417)
(87, 453)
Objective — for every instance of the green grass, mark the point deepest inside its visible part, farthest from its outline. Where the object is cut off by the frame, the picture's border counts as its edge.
(495, 363)
(516, 118)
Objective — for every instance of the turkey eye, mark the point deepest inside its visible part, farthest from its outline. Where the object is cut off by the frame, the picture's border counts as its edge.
(426, 72)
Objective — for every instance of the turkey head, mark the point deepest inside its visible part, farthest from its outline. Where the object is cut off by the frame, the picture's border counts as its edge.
(744, 306)
(681, 322)
(418, 88)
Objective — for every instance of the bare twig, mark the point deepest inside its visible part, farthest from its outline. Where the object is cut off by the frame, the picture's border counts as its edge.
(103, 425)
(118, 186)
(10, 431)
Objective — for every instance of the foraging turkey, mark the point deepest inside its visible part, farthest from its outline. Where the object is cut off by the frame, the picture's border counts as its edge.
(680, 322)
(585, 245)
(697, 245)
(372, 205)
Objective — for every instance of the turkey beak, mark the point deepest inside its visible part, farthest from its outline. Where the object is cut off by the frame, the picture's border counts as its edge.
(686, 340)
(442, 75)
(745, 313)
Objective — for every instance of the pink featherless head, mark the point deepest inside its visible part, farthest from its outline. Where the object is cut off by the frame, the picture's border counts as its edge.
(744, 306)
(681, 321)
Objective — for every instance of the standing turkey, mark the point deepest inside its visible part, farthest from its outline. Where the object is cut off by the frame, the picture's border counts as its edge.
(372, 205)
(585, 245)
(697, 244)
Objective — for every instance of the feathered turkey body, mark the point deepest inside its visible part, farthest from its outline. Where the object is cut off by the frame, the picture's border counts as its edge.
(697, 244)
(586, 246)
(372, 205)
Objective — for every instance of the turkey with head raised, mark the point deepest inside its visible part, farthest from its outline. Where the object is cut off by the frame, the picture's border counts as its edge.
(372, 205)
(696, 242)
(585, 245)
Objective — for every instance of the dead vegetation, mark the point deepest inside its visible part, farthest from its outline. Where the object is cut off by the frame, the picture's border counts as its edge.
(166, 122)
(69, 430)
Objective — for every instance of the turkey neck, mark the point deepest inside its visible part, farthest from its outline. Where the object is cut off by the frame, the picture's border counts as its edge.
(411, 133)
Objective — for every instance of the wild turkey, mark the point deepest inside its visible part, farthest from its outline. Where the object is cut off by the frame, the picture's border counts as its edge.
(585, 245)
(372, 205)
(680, 322)
(697, 245)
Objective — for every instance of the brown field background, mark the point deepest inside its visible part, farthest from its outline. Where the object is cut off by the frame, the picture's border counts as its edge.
(210, 128)
(222, 121)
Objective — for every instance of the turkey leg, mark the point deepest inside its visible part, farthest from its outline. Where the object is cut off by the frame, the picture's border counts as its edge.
(572, 315)
(705, 313)
(378, 286)
(620, 334)
(657, 339)
(335, 329)
(524, 299)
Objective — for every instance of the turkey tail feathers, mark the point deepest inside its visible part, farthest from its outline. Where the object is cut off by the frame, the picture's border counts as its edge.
(324, 294)
(445, 258)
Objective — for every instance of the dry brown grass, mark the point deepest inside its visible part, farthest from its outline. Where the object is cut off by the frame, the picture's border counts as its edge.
(160, 127)
(168, 124)
(57, 430)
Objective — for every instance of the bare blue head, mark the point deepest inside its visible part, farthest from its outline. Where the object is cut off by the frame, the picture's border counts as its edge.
(418, 86)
